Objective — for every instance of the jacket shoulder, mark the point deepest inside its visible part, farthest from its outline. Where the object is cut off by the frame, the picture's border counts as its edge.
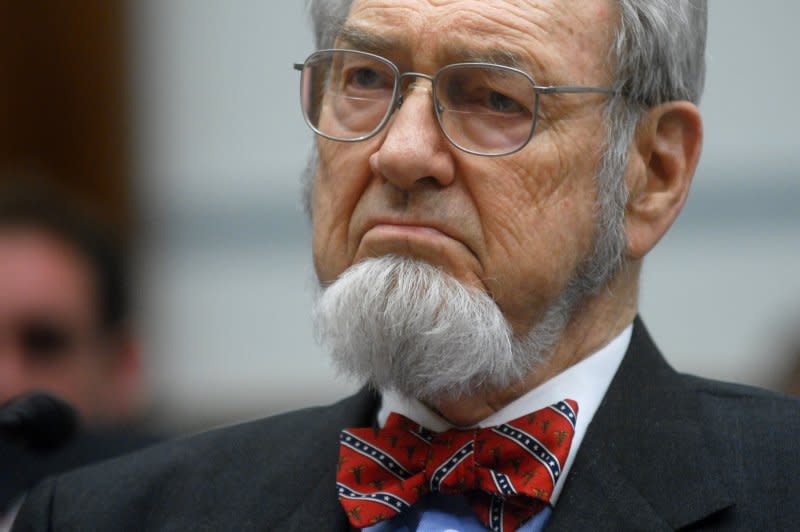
(750, 418)
(756, 431)
(727, 399)
(239, 477)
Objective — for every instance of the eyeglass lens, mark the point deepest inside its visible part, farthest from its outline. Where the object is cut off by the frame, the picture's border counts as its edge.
(483, 109)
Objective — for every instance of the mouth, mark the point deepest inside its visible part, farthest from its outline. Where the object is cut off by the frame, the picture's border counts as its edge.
(406, 230)
(418, 240)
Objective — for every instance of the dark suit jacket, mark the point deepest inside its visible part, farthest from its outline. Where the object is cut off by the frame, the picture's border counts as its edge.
(22, 468)
(664, 451)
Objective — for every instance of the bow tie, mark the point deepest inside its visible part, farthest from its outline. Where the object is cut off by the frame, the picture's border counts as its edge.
(506, 472)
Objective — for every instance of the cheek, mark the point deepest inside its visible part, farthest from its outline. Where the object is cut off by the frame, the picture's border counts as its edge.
(523, 200)
(538, 226)
(339, 184)
(70, 376)
(546, 252)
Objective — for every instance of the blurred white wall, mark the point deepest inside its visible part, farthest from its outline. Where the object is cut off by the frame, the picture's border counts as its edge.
(226, 277)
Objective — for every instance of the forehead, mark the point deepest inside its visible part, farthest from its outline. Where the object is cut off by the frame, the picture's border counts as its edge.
(558, 38)
(38, 271)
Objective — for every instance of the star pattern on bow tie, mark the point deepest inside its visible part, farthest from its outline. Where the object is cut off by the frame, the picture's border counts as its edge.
(506, 472)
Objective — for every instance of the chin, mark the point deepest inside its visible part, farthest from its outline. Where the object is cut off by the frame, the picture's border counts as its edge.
(402, 324)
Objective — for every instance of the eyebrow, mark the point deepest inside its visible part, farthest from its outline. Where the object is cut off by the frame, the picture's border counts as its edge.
(367, 41)
(360, 39)
(495, 56)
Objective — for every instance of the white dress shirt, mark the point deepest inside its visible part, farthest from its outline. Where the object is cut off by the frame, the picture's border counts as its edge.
(586, 382)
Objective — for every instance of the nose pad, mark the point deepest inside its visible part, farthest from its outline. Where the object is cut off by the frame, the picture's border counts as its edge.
(412, 86)
(414, 150)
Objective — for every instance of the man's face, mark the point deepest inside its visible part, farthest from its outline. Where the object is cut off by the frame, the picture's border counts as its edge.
(517, 226)
(50, 336)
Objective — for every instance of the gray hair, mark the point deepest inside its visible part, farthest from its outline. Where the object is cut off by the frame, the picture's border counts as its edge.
(658, 55)
(658, 52)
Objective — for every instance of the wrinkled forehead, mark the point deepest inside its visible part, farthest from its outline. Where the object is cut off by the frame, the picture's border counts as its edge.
(564, 41)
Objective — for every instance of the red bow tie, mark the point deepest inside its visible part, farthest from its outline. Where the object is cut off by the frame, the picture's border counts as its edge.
(507, 472)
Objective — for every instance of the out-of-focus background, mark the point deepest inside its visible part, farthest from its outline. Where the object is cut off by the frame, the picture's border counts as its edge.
(180, 120)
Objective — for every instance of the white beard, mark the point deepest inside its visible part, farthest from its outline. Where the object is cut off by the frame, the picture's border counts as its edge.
(401, 324)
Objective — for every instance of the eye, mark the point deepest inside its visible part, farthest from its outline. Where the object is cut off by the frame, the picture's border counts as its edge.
(503, 104)
(366, 78)
(485, 91)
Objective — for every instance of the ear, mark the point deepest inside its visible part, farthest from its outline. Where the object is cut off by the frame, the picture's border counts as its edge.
(664, 157)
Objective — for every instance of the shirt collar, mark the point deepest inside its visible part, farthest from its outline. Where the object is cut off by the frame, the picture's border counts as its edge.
(586, 382)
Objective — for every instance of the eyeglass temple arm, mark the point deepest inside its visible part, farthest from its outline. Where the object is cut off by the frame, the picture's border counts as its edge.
(299, 66)
(573, 89)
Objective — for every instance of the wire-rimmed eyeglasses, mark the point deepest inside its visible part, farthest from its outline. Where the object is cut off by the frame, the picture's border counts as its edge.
(482, 108)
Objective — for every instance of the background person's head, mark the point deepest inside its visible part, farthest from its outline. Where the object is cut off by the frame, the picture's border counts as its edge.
(64, 305)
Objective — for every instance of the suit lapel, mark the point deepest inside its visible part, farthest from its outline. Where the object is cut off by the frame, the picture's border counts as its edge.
(645, 463)
(600, 497)
(320, 509)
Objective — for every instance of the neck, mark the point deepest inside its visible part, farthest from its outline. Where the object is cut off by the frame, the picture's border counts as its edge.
(594, 323)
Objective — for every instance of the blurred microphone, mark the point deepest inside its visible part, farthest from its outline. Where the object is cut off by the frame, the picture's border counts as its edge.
(39, 421)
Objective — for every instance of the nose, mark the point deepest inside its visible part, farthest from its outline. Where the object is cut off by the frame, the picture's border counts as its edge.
(414, 150)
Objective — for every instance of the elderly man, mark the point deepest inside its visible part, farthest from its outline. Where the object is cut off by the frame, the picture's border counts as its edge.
(487, 181)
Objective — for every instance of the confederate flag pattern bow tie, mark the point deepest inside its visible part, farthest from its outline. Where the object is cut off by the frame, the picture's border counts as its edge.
(506, 472)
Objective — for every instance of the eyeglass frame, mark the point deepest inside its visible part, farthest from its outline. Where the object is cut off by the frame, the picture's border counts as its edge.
(397, 97)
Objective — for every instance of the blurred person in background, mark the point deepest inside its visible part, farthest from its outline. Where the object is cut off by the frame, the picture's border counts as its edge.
(65, 330)
(478, 237)
(63, 307)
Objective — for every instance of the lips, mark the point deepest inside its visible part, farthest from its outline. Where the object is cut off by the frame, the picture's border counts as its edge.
(410, 229)
(429, 242)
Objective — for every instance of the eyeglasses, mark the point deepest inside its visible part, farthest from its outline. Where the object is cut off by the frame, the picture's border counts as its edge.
(482, 108)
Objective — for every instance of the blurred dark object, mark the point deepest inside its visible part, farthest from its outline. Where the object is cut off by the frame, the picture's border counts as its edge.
(38, 421)
(64, 100)
(40, 436)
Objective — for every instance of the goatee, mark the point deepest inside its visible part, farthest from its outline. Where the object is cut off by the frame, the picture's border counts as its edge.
(401, 324)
